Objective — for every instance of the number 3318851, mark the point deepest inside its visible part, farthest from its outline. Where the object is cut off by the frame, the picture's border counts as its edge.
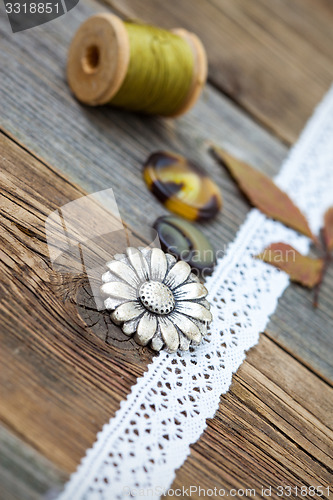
(32, 8)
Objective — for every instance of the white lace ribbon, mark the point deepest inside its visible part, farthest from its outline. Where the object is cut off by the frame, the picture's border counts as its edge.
(166, 411)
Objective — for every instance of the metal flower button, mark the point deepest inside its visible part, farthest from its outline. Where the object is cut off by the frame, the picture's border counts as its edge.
(156, 299)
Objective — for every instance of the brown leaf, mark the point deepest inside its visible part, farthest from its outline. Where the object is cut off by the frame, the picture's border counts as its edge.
(264, 194)
(300, 268)
(328, 229)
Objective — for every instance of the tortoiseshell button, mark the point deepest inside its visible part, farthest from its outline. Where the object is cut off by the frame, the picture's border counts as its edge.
(181, 186)
(183, 240)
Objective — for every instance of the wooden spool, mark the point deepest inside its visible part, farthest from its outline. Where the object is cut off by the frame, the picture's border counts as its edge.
(99, 56)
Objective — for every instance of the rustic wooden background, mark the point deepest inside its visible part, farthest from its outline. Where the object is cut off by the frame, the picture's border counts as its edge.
(271, 61)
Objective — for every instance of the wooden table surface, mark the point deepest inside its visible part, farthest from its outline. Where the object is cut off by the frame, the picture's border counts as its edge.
(271, 61)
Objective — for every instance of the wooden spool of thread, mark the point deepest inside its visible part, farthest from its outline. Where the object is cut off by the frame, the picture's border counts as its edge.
(135, 66)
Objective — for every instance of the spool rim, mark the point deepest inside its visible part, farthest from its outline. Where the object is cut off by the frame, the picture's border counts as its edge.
(98, 59)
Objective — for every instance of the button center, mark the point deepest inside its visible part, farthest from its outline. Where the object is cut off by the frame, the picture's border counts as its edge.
(157, 297)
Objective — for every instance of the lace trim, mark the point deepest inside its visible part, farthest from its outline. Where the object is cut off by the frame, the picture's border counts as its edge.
(166, 411)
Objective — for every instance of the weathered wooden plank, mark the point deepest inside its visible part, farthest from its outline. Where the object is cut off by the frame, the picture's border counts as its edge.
(24, 473)
(295, 308)
(61, 382)
(100, 148)
(270, 408)
(272, 57)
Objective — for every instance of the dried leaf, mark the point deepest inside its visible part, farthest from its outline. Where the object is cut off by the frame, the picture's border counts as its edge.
(264, 194)
(328, 229)
(300, 268)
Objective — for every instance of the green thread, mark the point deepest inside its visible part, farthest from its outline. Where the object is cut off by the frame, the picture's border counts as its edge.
(159, 74)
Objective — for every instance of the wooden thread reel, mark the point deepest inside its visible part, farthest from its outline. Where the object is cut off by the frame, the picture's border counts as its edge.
(103, 59)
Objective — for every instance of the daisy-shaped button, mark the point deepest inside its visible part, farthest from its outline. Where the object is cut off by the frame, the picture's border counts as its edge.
(156, 299)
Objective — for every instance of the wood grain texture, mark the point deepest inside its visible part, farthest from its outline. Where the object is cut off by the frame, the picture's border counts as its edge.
(65, 368)
(101, 147)
(273, 57)
(61, 382)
